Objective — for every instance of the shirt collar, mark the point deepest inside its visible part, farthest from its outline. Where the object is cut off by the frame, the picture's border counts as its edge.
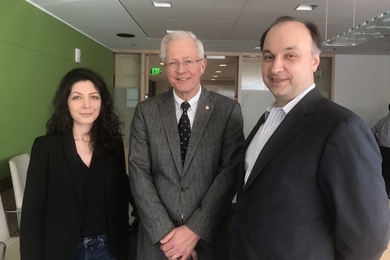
(193, 101)
(290, 105)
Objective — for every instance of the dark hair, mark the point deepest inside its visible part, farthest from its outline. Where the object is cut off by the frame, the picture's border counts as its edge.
(312, 27)
(105, 131)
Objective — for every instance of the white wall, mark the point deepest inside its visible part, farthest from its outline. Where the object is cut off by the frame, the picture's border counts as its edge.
(362, 84)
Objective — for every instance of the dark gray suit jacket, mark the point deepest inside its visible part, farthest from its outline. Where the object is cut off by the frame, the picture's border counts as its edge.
(202, 189)
(316, 190)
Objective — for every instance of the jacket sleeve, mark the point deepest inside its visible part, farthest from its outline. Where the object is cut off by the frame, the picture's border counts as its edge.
(155, 217)
(31, 226)
(352, 183)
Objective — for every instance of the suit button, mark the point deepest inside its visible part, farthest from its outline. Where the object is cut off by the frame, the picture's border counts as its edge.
(183, 189)
(238, 215)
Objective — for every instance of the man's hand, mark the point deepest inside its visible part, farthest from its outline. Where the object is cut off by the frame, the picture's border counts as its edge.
(180, 243)
(194, 255)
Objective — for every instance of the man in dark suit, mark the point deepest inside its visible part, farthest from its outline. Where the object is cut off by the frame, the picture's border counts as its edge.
(310, 184)
(183, 195)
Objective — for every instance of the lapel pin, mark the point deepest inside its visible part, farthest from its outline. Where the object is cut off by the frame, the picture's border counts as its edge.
(207, 107)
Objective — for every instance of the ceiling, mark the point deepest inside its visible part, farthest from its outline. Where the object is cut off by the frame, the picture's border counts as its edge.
(222, 25)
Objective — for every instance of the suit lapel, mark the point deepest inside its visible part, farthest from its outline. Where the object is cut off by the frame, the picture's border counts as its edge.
(74, 165)
(203, 113)
(168, 116)
(292, 124)
(246, 144)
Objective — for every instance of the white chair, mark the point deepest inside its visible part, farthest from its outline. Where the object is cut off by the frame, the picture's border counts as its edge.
(18, 166)
(9, 246)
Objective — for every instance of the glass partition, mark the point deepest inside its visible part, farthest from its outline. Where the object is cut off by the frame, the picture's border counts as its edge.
(255, 96)
(127, 88)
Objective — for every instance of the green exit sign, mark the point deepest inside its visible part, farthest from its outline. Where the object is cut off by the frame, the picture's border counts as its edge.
(155, 71)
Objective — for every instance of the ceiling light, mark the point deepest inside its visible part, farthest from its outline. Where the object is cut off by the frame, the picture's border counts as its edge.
(257, 48)
(305, 7)
(212, 79)
(161, 4)
(218, 71)
(215, 76)
(170, 31)
(222, 65)
(215, 57)
(377, 27)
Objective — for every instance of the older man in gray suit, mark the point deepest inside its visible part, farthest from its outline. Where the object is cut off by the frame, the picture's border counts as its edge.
(183, 195)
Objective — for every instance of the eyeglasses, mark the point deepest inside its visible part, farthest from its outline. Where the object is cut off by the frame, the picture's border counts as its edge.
(174, 65)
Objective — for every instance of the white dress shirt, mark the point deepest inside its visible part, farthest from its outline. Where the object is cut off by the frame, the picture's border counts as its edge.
(381, 130)
(273, 117)
(193, 106)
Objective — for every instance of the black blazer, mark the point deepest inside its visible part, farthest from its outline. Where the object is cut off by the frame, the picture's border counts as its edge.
(315, 191)
(53, 201)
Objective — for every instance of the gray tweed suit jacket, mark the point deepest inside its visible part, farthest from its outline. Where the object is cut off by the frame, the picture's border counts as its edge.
(197, 194)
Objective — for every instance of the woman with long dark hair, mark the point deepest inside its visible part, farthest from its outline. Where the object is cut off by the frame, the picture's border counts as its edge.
(76, 198)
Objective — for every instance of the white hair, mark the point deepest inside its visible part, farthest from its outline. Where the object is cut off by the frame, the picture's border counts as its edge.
(176, 35)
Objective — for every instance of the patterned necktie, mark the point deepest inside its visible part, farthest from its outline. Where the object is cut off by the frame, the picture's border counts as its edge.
(184, 130)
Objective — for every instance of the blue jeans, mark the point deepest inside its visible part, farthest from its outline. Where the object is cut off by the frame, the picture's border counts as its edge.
(94, 248)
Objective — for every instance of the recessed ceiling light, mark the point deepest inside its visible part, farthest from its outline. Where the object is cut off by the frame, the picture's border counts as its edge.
(257, 48)
(215, 76)
(218, 71)
(222, 65)
(125, 35)
(170, 31)
(305, 7)
(212, 79)
(161, 4)
(215, 57)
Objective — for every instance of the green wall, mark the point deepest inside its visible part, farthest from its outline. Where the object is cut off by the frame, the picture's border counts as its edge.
(36, 50)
